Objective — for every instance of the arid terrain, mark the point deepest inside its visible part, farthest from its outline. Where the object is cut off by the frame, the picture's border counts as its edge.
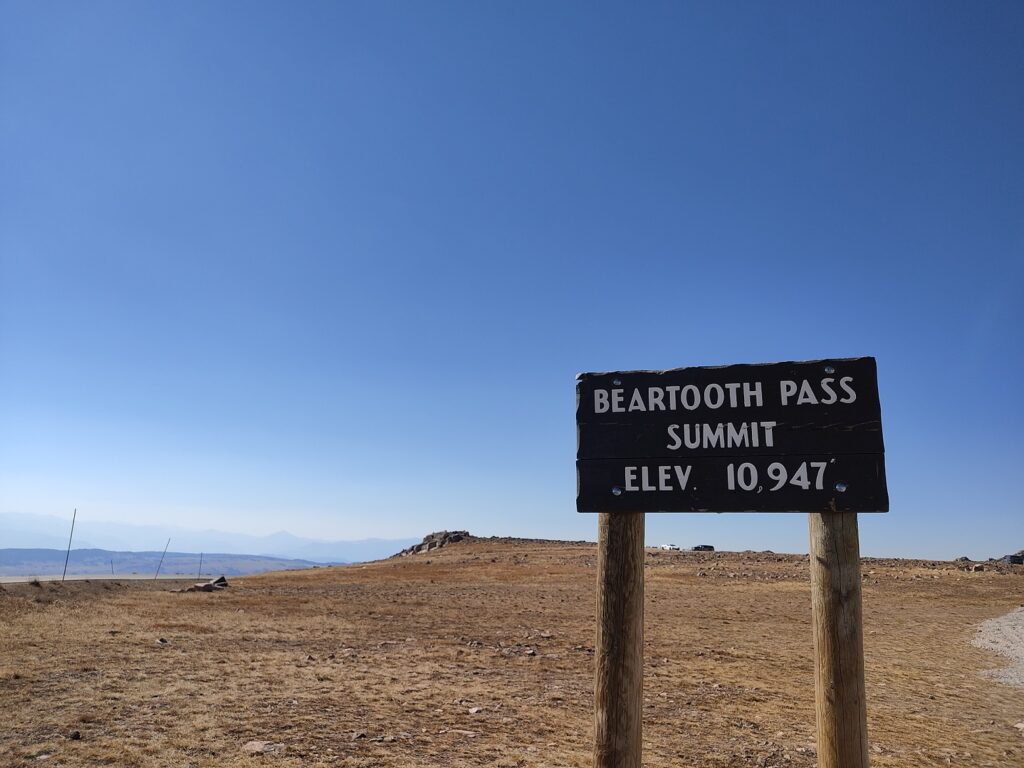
(481, 653)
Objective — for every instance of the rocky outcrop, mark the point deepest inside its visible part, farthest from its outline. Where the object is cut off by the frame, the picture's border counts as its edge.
(207, 586)
(434, 541)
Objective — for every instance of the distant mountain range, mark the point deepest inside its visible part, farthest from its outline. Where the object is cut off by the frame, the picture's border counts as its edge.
(104, 563)
(28, 531)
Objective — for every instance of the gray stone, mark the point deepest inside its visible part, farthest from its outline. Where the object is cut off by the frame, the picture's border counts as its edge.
(261, 747)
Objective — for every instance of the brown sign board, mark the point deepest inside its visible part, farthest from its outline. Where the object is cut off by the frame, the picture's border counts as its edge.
(776, 437)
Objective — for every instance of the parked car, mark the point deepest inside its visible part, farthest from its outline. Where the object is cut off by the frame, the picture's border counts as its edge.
(703, 548)
(670, 547)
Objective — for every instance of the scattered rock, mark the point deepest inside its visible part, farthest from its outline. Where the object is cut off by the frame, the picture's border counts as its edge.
(358, 735)
(475, 710)
(75, 735)
(977, 567)
(261, 747)
(516, 650)
(161, 641)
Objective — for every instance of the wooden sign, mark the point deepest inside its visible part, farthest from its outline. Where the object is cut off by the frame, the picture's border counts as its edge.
(777, 437)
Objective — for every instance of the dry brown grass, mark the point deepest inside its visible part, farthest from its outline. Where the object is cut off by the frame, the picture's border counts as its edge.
(401, 651)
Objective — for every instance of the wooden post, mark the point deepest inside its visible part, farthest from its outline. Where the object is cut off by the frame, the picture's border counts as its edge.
(619, 657)
(840, 700)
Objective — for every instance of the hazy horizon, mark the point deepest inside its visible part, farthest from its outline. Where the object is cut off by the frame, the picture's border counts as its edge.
(653, 539)
(22, 530)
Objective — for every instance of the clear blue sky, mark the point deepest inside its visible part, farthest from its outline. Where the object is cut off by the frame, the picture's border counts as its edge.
(332, 267)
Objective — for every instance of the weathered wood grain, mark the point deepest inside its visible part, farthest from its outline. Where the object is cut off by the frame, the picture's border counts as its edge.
(840, 699)
(619, 656)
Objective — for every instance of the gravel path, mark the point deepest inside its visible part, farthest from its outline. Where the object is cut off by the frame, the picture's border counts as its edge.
(1005, 635)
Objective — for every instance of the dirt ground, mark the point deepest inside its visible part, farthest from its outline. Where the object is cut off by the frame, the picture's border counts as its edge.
(482, 654)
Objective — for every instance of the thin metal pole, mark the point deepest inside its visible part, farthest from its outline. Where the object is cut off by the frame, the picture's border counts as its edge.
(111, 566)
(68, 555)
(161, 560)
(200, 577)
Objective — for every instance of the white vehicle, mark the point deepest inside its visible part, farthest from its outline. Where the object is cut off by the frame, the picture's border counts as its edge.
(670, 547)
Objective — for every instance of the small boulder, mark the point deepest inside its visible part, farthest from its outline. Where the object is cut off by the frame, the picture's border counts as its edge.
(214, 585)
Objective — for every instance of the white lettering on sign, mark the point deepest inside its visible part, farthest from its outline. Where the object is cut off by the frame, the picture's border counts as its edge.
(734, 394)
(714, 396)
(752, 392)
(690, 397)
(745, 476)
(748, 434)
(807, 395)
(670, 477)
